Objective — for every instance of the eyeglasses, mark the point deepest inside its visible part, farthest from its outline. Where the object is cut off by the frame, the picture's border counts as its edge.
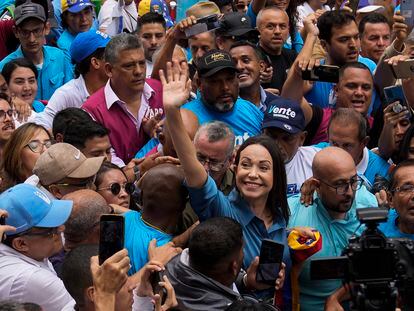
(49, 232)
(11, 113)
(37, 146)
(116, 188)
(355, 183)
(214, 165)
(404, 189)
(37, 33)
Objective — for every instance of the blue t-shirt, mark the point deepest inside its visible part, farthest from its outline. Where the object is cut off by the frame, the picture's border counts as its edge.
(56, 70)
(245, 118)
(138, 235)
(335, 234)
(322, 93)
(376, 166)
(390, 228)
(209, 202)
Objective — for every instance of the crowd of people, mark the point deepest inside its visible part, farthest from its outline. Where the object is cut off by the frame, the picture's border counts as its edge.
(208, 138)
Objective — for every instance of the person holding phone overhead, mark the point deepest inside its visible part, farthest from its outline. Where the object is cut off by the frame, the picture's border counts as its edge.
(259, 201)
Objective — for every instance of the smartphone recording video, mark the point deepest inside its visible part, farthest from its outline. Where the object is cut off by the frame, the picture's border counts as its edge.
(271, 255)
(111, 236)
(323, 73)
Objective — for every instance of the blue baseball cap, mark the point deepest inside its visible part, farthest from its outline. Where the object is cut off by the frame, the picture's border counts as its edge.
(86, 43)
(284, 114)
(75, 6)
(30, 207)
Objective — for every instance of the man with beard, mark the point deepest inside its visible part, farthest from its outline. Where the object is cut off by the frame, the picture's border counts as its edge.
(219, 90)
(333, 213)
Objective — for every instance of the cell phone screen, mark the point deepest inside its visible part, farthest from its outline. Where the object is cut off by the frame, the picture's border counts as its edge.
(111, 238)
(271, 255)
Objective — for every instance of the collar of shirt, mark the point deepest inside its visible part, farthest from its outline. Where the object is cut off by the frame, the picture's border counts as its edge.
(47, 57)
(81, 81)
(247, 216)
(363, 164)
(350, 215)
(263, 98)
(12, 253)
(111, 97)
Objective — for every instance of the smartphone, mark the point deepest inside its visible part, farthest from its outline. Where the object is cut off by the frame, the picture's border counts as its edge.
(396, 93)
(155, 278)
(353, 5)
(204, 24)
(403, 70)
(111, 236)
(270, 260)
(407, 10)
(329, 268)
(323, 73)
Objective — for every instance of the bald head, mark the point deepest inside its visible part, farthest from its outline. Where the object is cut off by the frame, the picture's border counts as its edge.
(270, 11)
(163, 183)
(81, 227)
(330, 160)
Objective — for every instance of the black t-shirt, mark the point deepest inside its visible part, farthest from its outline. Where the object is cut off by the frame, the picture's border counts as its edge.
(280, 63)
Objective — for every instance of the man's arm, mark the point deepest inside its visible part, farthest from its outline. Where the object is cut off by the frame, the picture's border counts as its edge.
(167, 50)
(294, 85)
(383, 75)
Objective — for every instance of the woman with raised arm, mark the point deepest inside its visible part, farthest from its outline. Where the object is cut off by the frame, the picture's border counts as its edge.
(258, 201)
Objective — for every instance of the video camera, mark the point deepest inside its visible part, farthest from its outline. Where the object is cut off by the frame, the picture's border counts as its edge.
(380, 270)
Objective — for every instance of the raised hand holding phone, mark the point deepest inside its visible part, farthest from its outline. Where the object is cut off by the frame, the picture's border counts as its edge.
(111, 236)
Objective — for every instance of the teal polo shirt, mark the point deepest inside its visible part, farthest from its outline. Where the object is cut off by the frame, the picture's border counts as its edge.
(335, 235)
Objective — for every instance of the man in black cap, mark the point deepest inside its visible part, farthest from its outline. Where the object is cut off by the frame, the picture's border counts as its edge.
(284, 122)
(219, 90)
(235, 27)
(54, 66)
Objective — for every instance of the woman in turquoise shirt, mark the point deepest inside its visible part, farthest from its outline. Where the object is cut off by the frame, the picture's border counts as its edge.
(258, 202)
(21, 77)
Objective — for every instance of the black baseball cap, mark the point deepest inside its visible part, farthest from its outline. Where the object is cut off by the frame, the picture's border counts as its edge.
(284, 114)
(214, 61)
(29, 10)
(236, 24)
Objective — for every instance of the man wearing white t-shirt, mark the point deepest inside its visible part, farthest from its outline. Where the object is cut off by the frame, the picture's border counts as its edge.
(87, 51)
(129, 15)
(284, 122)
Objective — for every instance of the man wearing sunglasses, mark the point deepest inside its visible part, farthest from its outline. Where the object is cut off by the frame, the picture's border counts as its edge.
(339, 193)
(63, 169)
(25, 271)
(54, 66)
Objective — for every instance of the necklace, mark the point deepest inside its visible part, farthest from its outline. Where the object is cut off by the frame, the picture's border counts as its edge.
(152, 226)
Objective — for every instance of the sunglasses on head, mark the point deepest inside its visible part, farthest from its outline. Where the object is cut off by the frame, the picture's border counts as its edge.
(115, 188)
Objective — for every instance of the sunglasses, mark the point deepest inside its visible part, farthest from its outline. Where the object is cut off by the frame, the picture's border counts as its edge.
(116, 188)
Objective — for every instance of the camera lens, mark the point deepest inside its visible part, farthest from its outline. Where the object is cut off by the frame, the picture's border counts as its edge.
(397, 108)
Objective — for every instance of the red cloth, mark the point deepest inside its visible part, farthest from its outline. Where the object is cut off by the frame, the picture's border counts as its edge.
(124, 137)
(8, 42)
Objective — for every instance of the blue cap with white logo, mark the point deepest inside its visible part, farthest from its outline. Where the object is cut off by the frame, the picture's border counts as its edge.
(86, 43)
(284, 114)
(30, 207)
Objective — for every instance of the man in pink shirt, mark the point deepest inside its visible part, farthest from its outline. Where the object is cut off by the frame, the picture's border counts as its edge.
(128, 100)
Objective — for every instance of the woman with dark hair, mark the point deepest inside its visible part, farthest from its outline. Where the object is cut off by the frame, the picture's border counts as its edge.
(258, 202)
(21, 77)
(112, 183)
